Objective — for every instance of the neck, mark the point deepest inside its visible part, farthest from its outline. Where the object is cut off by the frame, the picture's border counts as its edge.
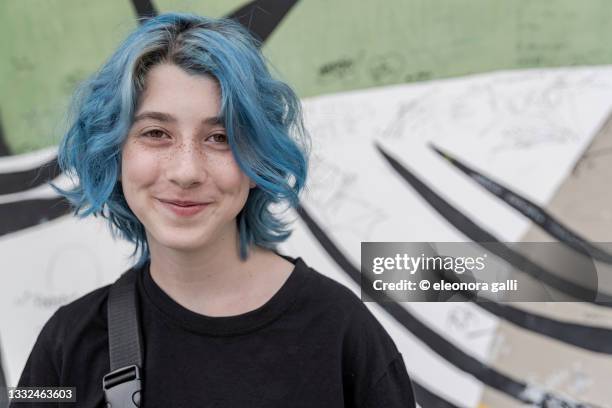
(214, 281)
(212, 269)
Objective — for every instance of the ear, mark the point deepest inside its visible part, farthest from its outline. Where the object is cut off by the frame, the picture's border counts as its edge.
(252, 184)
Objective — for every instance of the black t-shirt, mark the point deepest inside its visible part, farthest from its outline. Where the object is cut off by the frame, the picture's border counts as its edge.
(313, 344)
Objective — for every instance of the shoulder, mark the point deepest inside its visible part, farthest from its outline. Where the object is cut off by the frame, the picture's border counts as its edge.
(372, 365)
(90, 307)
(67, 326)
(326, 291)
(358, 321)
(86, 314)
(72, 323)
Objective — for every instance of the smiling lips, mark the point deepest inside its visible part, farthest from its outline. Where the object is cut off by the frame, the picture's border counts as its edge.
(183, 208)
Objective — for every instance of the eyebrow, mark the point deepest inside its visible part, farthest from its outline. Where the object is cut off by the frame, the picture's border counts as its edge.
(166, 117)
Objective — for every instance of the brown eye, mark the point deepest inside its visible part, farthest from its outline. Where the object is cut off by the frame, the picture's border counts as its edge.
(154, 134)
(219, 138)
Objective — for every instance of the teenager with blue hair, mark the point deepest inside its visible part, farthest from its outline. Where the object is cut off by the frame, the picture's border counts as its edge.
(185, 143)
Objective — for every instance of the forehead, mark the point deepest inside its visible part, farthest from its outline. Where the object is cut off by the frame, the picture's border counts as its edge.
(169, 88)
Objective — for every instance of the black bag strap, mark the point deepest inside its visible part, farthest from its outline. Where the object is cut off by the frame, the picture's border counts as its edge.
(123, 384)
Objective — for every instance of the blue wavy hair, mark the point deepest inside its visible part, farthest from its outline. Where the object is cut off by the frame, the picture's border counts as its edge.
(262, 117)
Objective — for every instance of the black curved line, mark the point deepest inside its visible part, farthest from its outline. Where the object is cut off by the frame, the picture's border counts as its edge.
(19, 215)
(426, 335)
(26, 179)
(4, 149)
(534, 212)
(23, 214)
(428, 399)
(262, 17)
(144, 9)
(590, 338)
(486, 240)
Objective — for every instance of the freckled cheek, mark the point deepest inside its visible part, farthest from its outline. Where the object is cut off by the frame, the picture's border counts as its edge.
(139, 168)
(228, 175)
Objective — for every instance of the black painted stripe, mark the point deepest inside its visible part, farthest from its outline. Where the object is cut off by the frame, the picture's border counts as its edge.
(23, 214)
(590, 338)
(144, 9)
(23, 180)
(4, 149)
(529, 209)
(426, 335)
(483, 238)
(262, 17)
(430, 338)
(428, 399)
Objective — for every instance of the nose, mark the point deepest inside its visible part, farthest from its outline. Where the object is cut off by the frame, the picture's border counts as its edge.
(187, 166)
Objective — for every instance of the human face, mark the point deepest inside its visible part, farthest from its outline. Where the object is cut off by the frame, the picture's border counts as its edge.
(178, 173)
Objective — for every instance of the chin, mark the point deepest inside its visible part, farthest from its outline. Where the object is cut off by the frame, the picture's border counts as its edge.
(182, 247)
(183, 241)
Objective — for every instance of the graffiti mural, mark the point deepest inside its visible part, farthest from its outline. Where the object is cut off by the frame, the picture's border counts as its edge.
(431, 122)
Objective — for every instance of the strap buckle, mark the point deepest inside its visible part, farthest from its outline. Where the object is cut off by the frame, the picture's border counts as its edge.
(122, 387)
